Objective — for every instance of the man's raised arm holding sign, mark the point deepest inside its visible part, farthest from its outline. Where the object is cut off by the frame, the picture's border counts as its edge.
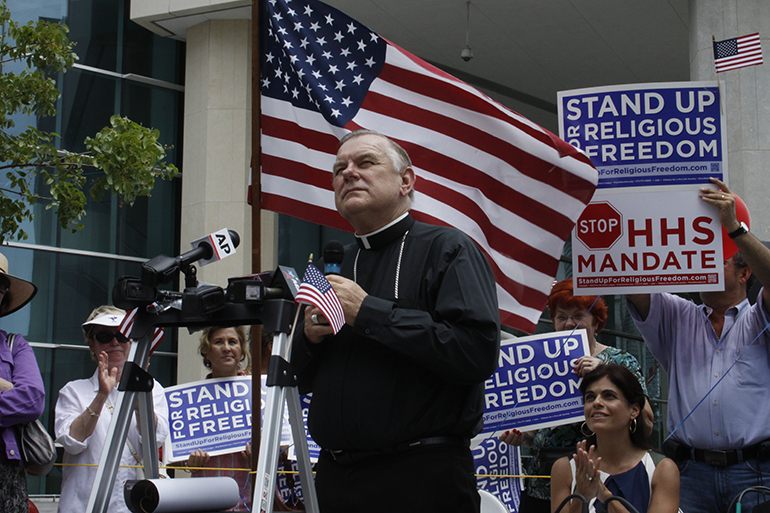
(698, 345)
(754, 258)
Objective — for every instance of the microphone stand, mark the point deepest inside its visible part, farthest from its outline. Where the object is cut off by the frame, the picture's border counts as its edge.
(584, 508)
(623, 501)
(568, 498)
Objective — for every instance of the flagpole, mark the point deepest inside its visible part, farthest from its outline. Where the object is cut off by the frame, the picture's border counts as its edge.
(719, 79)
(256, 226)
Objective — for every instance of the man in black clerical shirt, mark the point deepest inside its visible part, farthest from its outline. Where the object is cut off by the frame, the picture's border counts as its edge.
(398, 392)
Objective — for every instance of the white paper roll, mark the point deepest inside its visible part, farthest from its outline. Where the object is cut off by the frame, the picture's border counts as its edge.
(181, 495)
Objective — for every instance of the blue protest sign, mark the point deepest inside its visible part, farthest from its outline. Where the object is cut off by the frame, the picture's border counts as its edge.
(535, 385)
(647, 134)
(496, 463)
(312, 447)
(213, 415)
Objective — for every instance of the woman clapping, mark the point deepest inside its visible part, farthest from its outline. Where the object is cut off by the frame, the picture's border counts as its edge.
(614, 460)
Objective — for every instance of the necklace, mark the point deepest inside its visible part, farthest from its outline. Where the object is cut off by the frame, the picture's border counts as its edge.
(398, 265)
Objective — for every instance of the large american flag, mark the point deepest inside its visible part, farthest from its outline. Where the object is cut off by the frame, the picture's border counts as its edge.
(316, 290)
(515, 188)
(738, 52)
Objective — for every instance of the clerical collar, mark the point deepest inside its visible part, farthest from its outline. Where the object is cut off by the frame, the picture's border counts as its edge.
(386, 234)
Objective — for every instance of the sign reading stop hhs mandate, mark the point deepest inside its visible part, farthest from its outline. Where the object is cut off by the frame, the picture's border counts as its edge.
(665, 241)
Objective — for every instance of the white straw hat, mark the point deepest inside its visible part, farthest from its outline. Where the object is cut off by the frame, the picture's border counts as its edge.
(20, 292)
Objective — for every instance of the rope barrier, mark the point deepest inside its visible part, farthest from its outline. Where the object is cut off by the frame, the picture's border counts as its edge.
(170, 467)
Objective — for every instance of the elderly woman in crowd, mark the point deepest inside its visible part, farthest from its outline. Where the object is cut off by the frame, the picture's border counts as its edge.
(569, 312)
(225, 351)
(614, 461)
(22, 396)
(84, 412)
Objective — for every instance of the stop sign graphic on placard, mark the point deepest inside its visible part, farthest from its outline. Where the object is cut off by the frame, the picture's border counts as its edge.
(599, 226)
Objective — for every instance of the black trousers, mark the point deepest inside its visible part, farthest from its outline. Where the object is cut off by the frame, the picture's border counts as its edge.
(422, 480)
(533, 505)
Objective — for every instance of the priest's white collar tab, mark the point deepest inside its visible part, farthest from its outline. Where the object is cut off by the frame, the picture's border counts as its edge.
(386, 234)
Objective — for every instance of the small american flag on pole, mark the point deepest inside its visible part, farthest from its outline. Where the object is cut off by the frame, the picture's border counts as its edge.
(127, 324)
(738, 52)
(317, 291)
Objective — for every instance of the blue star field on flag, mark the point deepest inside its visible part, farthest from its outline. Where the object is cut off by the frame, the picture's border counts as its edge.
(318, 58)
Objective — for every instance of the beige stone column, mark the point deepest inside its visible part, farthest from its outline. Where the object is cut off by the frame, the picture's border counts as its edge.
(217, 152)
(745, 97)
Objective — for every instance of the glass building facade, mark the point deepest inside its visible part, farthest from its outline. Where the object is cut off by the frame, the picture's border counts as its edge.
(122, 69)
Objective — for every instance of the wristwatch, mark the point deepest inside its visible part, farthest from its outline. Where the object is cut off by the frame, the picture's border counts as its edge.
(739, 231)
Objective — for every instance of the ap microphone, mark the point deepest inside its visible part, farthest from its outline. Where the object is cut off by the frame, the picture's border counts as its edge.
(211, 248)
(163, 269)
(333, 255)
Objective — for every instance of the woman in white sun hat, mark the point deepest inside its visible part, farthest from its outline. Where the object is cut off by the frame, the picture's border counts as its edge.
(22, 395)
(84, 412)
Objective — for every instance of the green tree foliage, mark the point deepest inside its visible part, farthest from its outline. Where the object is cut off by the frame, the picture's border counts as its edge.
(128, 155)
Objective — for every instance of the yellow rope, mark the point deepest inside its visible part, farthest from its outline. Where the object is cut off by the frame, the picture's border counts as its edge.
(277, 472)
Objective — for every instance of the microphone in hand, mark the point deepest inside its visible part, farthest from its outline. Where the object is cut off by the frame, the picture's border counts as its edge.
(333, 255)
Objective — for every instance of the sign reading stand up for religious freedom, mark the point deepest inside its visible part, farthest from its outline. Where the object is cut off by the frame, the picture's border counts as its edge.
(654, 146)
(535, 385)
(647, 134)
(213, 415)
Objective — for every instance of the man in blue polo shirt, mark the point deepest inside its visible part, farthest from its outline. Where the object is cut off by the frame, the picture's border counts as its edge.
(724, 446)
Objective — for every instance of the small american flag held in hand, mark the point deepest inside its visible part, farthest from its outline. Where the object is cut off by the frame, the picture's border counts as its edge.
(317, 291)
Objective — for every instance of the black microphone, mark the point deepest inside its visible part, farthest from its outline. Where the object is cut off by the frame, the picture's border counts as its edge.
(333, 255)
(205, 251)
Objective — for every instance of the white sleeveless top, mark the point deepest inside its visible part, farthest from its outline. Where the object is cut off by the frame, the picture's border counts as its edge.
(649, 466)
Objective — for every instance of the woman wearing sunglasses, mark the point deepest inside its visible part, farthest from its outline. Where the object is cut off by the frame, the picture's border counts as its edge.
(84, 412)
(22, 395)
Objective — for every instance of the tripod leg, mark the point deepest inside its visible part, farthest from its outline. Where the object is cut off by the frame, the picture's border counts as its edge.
(269, 447)
(111, 453)
(109, 462)
(300, 446)
(270, 443)
(146, 419)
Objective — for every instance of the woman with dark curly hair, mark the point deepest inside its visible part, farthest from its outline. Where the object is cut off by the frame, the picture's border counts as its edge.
(614, 460)
(569, 312)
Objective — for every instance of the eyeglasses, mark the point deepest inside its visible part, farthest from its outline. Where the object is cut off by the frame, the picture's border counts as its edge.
(577, 318)
(105, 337)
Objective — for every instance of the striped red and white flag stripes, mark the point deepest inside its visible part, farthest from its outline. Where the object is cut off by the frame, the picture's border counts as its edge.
(515, 188)
(316, 290)
(738, 52)
(127, 324)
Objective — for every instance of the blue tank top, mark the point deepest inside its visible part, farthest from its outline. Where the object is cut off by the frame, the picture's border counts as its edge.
(633, 485)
